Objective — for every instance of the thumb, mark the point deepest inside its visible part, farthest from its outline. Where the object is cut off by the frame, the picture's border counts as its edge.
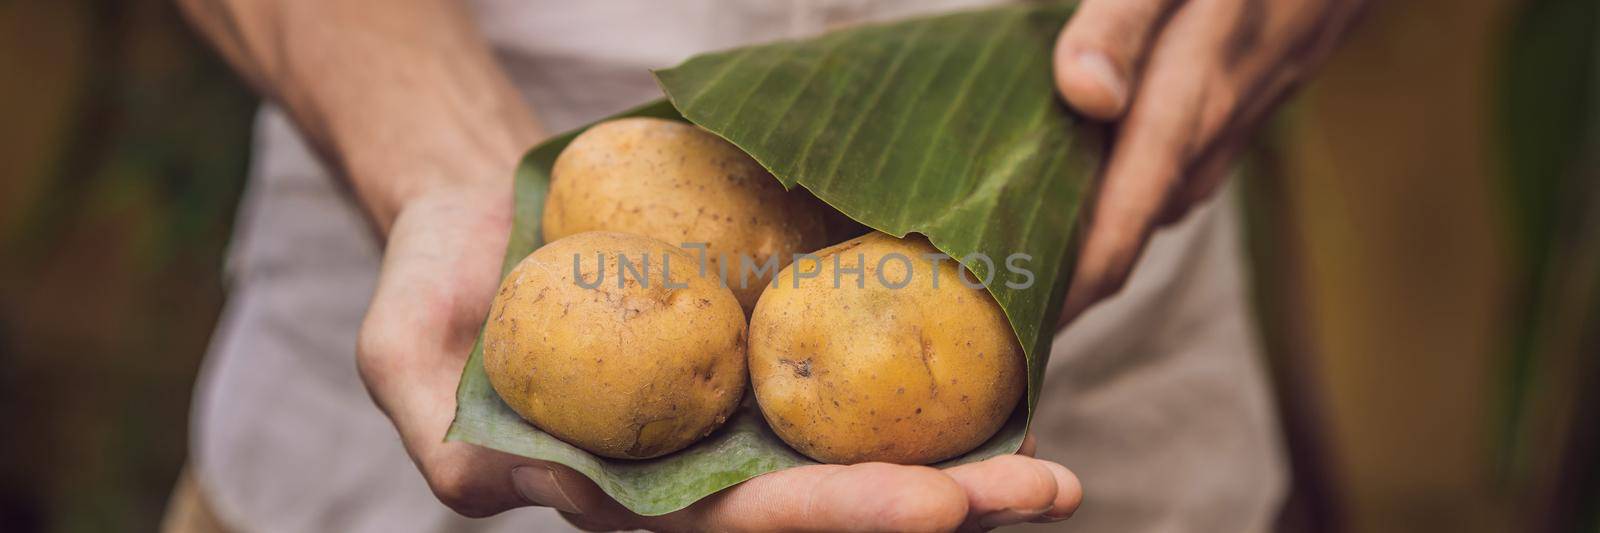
(544, 485)
(1100, 50)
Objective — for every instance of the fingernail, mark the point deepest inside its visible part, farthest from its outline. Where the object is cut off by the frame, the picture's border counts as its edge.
(1100, 66)
(1048, 518)
(1006, 517)
(538, 485)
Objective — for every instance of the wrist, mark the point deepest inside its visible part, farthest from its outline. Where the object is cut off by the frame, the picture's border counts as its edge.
(390, 175)
(456, 214)
(390, 188)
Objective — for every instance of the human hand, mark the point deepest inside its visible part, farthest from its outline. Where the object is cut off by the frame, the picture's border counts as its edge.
(440, 271)
(1187, 81)
(1000, 491)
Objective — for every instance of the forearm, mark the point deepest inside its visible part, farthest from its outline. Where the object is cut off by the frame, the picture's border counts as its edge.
(401, 96)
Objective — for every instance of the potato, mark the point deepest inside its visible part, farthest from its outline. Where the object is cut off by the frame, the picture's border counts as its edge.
(622, 366)
(909, 375)
(681, 184)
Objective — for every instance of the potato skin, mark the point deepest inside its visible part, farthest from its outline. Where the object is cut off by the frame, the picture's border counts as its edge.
(631, 372)
(681, 184)
(912, 375)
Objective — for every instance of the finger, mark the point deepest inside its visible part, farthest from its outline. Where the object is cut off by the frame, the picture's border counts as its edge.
(1153, 149)
(863, 497)
(1005, 490)
(478, 482)
(1213, 166)
(1206, 175)
(1146, 164)
(1235, 129)
(1069, 496)
(1100, 51)
(471, 480)
(590, 509)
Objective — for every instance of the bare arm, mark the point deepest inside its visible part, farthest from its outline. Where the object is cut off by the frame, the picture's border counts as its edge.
(400, 96)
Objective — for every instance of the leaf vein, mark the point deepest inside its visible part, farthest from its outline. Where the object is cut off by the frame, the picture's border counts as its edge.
(949, 113)
(805, 83)
(877, 94)
(785, 55)
(718, 77)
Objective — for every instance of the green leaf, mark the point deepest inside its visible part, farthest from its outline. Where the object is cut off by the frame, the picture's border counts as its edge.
(946, 126)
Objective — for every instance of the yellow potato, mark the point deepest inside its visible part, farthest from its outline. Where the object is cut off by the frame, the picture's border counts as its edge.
(676, 182)
(909, 375)
(623, 366)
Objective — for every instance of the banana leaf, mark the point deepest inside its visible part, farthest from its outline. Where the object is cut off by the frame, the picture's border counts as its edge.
(946, 126)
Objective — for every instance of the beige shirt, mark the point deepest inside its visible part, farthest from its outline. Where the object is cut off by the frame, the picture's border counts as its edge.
(1155, 398)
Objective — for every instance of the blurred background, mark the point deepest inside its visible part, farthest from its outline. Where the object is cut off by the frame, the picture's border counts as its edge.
(1425, 227)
